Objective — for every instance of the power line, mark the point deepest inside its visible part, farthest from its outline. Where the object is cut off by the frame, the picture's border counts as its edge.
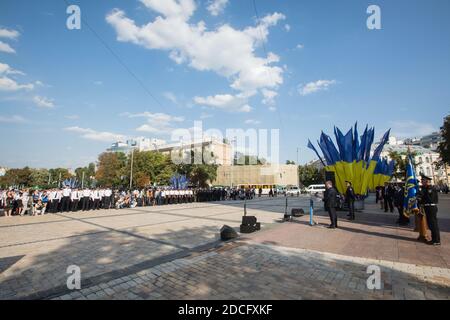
(119, 60)
(258, 21)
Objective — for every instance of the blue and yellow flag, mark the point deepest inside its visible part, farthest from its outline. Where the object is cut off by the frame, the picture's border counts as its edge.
(411, 190)
(351, 160)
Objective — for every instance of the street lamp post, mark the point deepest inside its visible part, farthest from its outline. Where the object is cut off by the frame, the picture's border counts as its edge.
(131, 171)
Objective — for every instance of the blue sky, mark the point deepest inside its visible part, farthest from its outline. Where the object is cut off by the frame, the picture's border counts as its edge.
(64, 96)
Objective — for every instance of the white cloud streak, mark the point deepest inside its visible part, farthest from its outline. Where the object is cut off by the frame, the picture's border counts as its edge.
(4, 47)
(9, 33)
(314, 87)
(217, 7)
(94, 135)
(43, 102)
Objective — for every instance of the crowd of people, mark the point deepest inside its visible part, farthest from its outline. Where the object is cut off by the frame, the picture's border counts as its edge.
(39, 202)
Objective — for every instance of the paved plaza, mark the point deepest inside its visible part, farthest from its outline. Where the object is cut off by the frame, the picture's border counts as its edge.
(174, 252)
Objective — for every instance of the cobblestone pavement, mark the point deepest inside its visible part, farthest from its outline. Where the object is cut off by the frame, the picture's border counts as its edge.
(173, 253)
(35, 252)
(255, 271)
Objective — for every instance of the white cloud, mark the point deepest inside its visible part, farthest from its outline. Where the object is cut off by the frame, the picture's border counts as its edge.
(157, 117)
(287, 27)
(269, 97)
(12, 119)
(94, 135)
(227, 102)
(6, 69)
(8, 84)
(157, 123)
(216, 7)
(229, 52)
(313, 87)
(171, 97)
(43, 102)
(98, 83)
(300, 46)
(251, 121)
(72, 117)
(4, 47)
(411, 128)
(9, 34)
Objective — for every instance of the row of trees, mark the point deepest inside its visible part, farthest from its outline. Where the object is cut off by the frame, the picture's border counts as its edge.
(114, 169)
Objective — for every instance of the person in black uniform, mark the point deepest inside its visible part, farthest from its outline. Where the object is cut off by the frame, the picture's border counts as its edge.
(399, 199)
(388, 196)
(331, 203)
(350, 198)
(428, 200)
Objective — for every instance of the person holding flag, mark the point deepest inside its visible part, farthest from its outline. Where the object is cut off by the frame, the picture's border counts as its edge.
(411, 202)
(428, 200)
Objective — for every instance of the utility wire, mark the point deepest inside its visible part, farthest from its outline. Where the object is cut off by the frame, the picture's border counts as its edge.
(258, 21)
(119, 60)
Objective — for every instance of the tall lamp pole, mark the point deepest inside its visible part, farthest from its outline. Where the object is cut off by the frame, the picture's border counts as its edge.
(131, 172)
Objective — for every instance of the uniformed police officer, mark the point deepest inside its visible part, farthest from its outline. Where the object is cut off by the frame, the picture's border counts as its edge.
(350, 198)
(428, 200)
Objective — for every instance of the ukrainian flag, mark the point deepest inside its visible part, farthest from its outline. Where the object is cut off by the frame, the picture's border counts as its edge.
(383, 173)
(351, 160)
(411, 190)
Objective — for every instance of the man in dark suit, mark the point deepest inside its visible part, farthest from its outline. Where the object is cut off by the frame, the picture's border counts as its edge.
(399, 198)
(330, 199)
(350, 198)
(388, 195)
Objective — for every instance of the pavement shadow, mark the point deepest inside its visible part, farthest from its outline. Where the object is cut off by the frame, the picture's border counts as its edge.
(101, 257)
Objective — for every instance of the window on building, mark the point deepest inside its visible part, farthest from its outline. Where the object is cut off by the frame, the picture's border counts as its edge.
(428, 172)
(427, 160)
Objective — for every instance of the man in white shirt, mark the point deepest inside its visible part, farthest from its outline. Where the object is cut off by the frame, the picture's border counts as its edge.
(85, 200)
(95, 196)
(56, 200)
(65, 201)
(107, 198)
(75, 199)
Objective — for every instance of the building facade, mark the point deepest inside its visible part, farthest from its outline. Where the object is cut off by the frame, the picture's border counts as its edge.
(209, 150)
(425, 159)
(282, 175)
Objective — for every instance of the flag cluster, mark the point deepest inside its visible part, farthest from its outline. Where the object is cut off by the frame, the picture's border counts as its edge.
(411, 190)
(383, 173)
(179, 182)
(351, 159)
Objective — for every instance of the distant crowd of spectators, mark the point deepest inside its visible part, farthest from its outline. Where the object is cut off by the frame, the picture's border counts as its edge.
(38, 202)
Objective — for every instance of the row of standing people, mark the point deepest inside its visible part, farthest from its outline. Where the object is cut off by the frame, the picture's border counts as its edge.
(35, 202)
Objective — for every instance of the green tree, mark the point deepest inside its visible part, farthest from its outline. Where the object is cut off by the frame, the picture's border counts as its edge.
(309, 174)
(444, 146)
(198, 174)
(58, 175)
(288, 162)
(39, 178)
(150, 167)
(401, 161)
(111, 169)
(18, 177)
(87, 172)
